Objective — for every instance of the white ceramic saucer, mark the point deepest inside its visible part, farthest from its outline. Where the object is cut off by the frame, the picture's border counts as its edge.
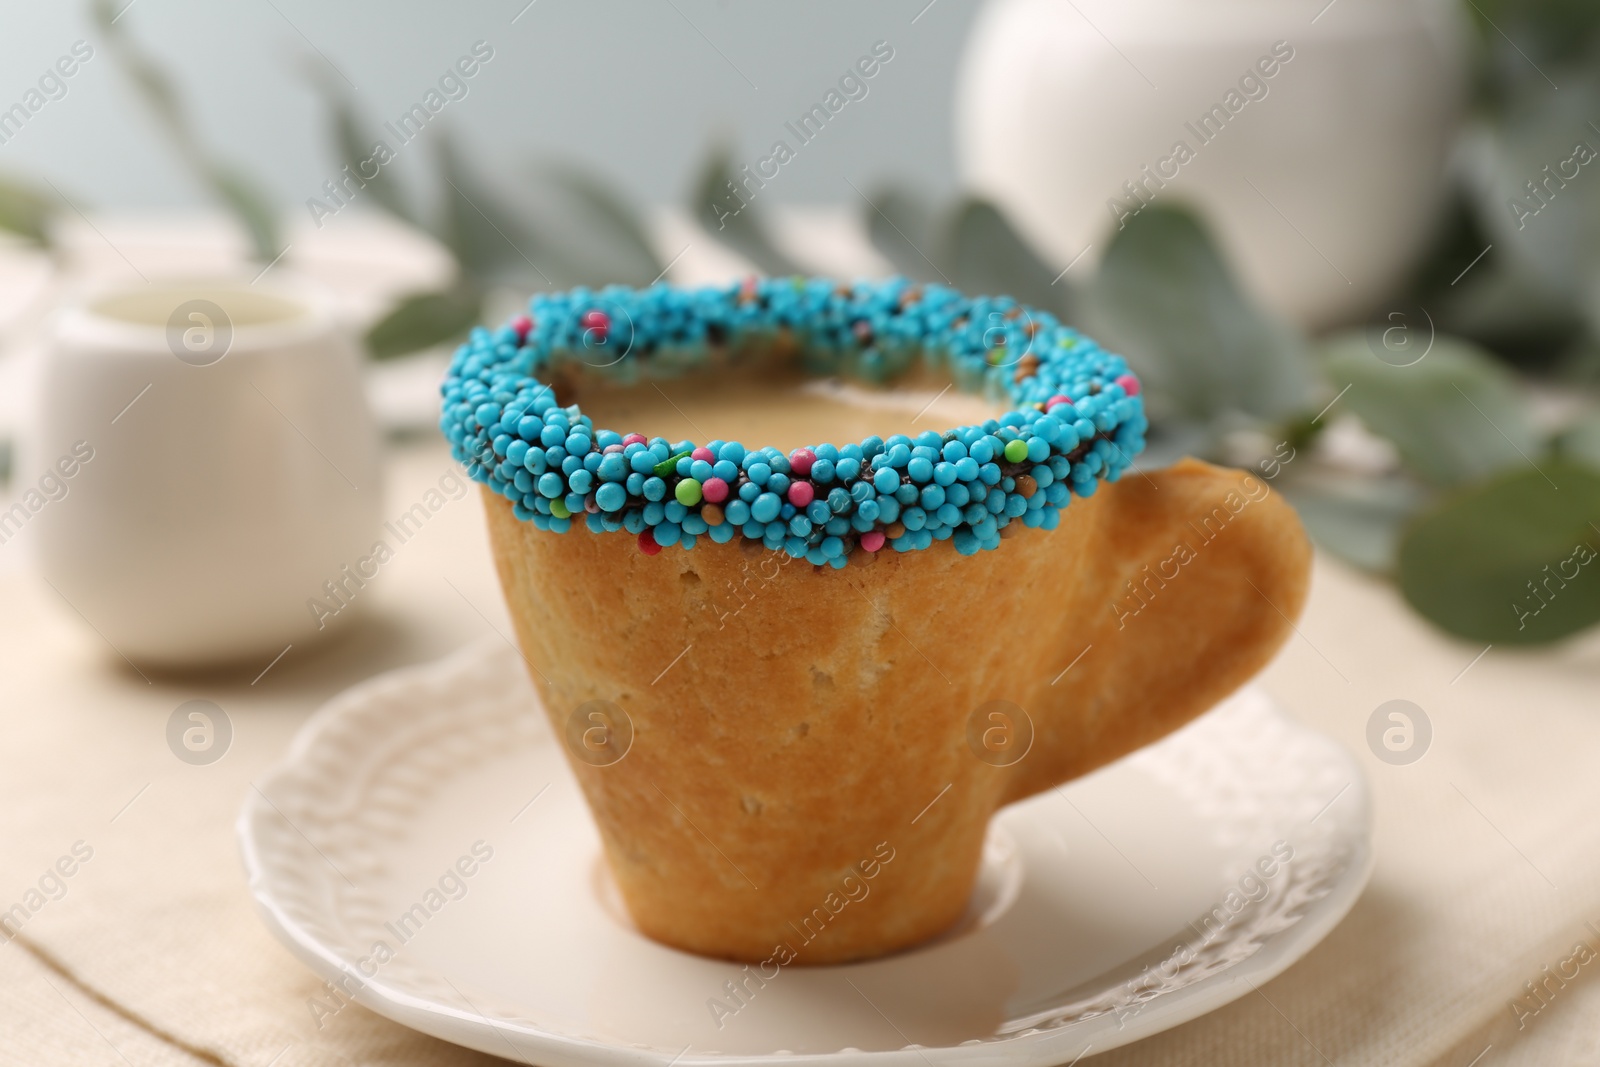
(1122, 905)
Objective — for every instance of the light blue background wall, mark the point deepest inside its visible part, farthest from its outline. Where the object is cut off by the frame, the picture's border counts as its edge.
(630, 88)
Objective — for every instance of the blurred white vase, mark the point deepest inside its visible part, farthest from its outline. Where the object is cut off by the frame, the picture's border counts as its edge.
(1321, 191)
(209, 463)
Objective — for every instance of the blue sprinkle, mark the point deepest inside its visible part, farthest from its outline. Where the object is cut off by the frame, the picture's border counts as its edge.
(506, 428)
(766, 507)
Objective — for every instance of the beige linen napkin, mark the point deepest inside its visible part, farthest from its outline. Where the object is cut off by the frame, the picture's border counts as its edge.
(47, 1018)
(158, 920)
(1488, 855)
(1566, 1030)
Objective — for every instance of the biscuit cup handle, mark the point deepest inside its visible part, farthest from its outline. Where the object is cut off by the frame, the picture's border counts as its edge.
(1193, 577)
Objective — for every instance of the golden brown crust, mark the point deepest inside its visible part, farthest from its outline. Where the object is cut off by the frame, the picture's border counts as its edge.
(1199, 572)
(794, 725)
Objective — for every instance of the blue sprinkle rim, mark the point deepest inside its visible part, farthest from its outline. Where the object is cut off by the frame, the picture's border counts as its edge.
(1078, 417)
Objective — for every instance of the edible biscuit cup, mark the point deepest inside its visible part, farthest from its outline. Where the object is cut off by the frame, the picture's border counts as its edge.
(795, 687)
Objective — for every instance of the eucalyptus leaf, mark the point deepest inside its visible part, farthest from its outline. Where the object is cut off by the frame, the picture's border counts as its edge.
(156, 89)
(1165, 298)
(1488, 294)
(1455, 415)
(988, 256)
(356, 147)
(25, 212)
(250, 207)
(1536, 193)
(724, 210)
(491, 244)
(905, 231)
(151, 81)
(1359, 519)
(1455, 245)
(1510, 311)
(599, 237)
(1512, 561)
(1581, 441)
(423, 320)
(1553, 31)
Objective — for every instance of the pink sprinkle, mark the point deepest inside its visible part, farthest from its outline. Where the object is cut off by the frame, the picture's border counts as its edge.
(1056, 401)
(800, 461)
(703, 453)
(521, 325)
(597, 323)
(613, 448)
(647, 543)
(1129, 383)
(801, 494)
(634, 439)
(872, 540)
(714, 490)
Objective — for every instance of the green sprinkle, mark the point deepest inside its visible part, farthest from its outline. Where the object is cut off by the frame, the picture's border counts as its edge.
(997, 356)
(669, 465)
(558, 508)
(688, 492)
(1016, 451)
